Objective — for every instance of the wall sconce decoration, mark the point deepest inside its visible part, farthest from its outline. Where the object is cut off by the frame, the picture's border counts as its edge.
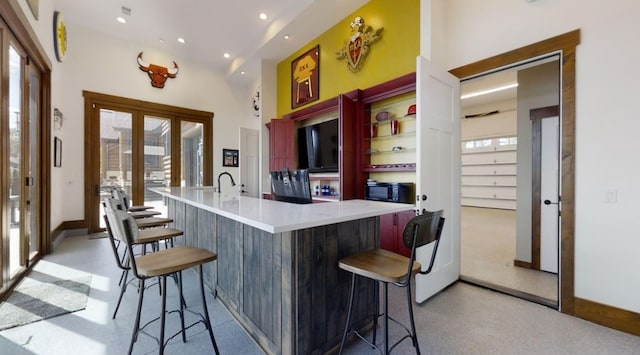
(157, 74)
(256, 103)
(356, 48)
(58, 117)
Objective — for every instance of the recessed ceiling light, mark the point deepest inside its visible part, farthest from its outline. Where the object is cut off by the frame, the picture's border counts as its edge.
(227, 55)
(287, 37)
(121, 19)
(263, 16)
(180, 39)
(161, 40)
(242, 73)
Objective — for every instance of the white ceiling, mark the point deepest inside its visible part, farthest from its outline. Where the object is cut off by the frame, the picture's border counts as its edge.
(213, 27)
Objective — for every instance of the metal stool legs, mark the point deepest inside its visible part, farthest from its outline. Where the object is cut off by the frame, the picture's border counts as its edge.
(346, 328)
(206, 311)
(385, 325)
(414, 338)
(163, 311)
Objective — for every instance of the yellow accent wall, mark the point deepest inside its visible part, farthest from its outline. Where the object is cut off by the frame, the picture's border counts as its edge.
(390, 57)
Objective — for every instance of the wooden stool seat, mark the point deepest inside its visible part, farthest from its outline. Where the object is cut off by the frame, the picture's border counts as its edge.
(139, 208)
(169, 261)
(380, 265)
(151, 235)
(143, 214)
(153, 222)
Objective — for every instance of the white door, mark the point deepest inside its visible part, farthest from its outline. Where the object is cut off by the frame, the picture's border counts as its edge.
(249, 162)
(549, 192)
(438, 173)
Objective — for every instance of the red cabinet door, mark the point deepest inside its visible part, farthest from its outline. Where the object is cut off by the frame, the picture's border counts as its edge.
(281, 145)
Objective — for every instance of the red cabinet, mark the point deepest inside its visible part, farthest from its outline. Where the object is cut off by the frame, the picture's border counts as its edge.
(391, 229)
(281, 145)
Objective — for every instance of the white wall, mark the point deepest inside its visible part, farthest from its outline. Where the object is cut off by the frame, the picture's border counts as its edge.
(105, 64)
(606, 234)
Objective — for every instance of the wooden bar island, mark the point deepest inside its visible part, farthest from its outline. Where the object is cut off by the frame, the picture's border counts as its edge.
(277, 269)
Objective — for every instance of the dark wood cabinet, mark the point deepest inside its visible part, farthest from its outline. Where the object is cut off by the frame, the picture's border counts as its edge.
(391, 229)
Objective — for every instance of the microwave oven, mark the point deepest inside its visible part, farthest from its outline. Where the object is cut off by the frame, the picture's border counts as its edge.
(400, 192)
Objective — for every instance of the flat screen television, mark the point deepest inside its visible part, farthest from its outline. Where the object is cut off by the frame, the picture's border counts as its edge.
(318, 147)
(291, 186)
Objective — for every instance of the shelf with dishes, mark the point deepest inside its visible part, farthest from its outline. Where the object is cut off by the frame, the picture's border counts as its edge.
(409, 134)
(393, 150)
(380, 168)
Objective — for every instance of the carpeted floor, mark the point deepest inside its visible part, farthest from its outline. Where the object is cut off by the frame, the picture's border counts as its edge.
(35, 300)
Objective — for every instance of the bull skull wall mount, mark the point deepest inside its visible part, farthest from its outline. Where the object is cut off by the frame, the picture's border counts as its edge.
(157, 74)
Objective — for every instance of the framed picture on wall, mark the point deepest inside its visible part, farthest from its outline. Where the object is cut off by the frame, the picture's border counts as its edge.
(305, 78)
(230, 157)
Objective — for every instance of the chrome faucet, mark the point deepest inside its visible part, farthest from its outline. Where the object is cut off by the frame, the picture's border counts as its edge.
(233, 183)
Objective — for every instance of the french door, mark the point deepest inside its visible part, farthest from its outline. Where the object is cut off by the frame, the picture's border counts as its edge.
(21, 159)
(138, 146)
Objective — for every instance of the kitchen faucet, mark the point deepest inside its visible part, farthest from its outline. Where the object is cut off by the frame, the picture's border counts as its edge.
(233, 183)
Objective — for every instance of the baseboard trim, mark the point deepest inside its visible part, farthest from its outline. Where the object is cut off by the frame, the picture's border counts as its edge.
(608, 316)
(66, 229)
(522, 264)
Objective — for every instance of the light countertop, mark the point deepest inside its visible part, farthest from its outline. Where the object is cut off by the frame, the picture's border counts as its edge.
(276, 216)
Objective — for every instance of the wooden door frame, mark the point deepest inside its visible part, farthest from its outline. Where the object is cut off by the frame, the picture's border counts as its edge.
(138, 107)
(536, 116)
(564, 44)
(17, 27)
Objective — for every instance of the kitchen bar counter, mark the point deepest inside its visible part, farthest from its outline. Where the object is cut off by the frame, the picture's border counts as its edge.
(275, 216)
(277, 268)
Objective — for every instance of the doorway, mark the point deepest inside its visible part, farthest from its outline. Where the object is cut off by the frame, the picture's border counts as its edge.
(249, 162)
(501, 151)
(25, 130)
(565, 46)
(138, 146)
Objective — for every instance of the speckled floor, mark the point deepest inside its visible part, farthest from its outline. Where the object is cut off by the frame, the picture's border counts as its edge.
(488, 248)
(463, 319)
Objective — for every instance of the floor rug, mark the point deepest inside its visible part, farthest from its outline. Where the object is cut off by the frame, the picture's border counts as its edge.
(43, 300)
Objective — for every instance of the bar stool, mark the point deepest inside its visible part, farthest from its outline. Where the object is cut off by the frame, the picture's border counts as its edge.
(143, 221)
(120, 194)
(390, 268)
(135, 211)
(162, 264)
(145, 237)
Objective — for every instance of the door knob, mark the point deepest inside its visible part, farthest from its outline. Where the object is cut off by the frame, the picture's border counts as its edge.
(548, 202)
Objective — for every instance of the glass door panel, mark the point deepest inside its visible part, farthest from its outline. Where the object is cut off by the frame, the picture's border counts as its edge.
(115, 153)
(33, 158)
(157, 159)
(191, 172)
(16, 229)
